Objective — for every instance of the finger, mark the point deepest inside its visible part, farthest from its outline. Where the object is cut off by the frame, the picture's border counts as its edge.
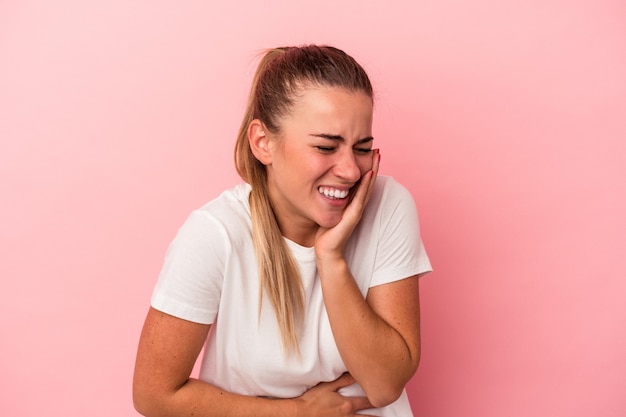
(374, 173)
(376, 160)
(343, 381)
(367, 181)
(359, 403)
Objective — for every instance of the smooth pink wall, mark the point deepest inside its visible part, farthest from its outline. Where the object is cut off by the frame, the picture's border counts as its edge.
(506, 119)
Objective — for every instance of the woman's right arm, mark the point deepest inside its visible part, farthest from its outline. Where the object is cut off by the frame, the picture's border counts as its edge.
(162, 387)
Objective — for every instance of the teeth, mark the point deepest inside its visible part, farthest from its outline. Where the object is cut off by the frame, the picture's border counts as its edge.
(333, 192)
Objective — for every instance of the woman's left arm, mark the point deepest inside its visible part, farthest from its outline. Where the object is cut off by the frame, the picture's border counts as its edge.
(378, 337)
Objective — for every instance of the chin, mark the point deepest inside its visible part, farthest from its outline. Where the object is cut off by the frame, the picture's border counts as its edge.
(328, 223)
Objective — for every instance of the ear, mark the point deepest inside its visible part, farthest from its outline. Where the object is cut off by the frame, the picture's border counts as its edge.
(258, 137)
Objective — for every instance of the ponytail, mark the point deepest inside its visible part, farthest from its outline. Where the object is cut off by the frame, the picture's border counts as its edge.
(280, 75)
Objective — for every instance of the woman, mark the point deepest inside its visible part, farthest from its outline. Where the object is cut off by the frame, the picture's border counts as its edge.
(303, 281)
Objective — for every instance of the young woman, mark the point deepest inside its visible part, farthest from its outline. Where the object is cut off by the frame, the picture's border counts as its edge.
(302, 281)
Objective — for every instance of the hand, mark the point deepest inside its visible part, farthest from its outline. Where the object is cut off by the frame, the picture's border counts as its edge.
(323, 400)
(330, 242)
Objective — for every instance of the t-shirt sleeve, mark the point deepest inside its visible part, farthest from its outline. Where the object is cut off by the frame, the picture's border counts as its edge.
(190, 282)
(400, 253)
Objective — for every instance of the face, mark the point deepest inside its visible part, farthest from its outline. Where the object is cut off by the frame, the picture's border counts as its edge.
(323, 149)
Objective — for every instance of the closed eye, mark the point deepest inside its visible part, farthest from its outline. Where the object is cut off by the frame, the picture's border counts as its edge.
(326, 149)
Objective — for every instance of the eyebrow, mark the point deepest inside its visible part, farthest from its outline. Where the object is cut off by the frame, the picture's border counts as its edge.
(340, 138)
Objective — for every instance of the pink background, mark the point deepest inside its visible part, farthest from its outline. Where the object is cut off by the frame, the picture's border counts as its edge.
(506, 119)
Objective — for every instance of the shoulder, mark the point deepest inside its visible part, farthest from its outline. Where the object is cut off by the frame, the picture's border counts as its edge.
(391, 210)
(230, 203)
(230, 208)
(390, 205)
(389, 194)
(225, 217)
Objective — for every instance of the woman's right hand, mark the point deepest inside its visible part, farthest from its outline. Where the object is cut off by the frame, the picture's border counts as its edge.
(324, 400)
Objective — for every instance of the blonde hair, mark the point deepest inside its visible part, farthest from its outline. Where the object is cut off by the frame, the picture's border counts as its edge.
(280, 75)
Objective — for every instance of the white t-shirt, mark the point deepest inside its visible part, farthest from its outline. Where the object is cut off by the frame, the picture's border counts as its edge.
(210, 276)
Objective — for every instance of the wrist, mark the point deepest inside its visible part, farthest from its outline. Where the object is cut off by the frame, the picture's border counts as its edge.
(294, 407)
(331, 265)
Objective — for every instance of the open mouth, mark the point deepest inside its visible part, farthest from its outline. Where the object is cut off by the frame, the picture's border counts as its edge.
(333, 193)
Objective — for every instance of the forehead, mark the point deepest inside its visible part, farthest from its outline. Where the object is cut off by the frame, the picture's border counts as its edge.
(331, 104)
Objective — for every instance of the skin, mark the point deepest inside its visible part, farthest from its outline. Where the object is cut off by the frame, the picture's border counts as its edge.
(326, 142)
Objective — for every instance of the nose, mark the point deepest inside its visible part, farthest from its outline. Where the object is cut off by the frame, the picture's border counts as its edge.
(346, 167)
